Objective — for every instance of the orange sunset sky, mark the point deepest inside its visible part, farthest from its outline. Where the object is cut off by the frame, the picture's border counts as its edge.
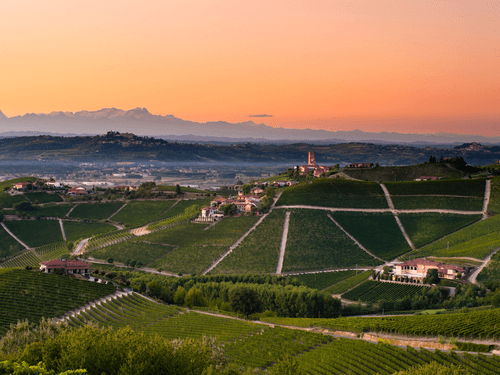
(403, 65)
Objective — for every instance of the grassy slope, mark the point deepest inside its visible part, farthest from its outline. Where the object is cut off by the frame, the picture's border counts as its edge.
(75, 231)
(36, 233)
(379, 233)
(315, 242)
(100, 211)
(140, 213)
(335, 193)
(427, 227)
(406, 173)
(6, 241)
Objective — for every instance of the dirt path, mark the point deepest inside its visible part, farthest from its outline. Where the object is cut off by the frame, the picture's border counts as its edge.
(387, 197)
(380, 210)
(70, 210)
(14, 236)
(407, 238)
(140, 231)
(118, 226)
(487, 194)
(118, 210)
(80, 246)
(283, 243)
(352, 238)
(473, 277)
(62, 230)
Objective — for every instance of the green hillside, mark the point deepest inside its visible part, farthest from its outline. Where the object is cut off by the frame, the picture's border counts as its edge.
(43, 197)
(8, 245)
(373, 291)
(10, 183)
(405, 173)
(32, 295)
(76, 230)
(334, 193)
(494, 204)
(136, 214)
(468, 188)
(99, 211)
(36, 233)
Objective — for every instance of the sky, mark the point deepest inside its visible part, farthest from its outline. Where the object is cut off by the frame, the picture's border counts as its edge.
(410, 66)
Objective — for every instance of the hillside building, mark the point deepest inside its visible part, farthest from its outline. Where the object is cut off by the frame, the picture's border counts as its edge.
(74, 267)
(416, 269)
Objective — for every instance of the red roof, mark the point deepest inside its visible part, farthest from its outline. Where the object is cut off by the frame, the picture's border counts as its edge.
(66, 264)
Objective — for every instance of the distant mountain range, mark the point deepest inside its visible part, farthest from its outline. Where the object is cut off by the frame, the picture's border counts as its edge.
(141, 121)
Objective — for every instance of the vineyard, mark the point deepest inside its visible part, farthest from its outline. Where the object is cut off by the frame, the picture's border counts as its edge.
(96, 211)
(344, 285)
(136, 214)
(182, 205)
(77, 230)
(36, 233)
(254, 254)
(170, 222)
(425, 228)
(143, 253)
(484, 324)
(466, 188)
(335, 193)
(26, 258)
(373, 291)
(51, 210)
(420, 202)
(7, 200)
(494, 204)
(8, 245)
(43, 197)
(491, 273)
(32, 295)
(52, 251)
(316, 242)
(377, 232)
(107, 239)
(324, 279)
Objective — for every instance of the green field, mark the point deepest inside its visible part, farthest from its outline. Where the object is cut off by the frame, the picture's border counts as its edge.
(254, 255)
(425, 228)
(465, 188)
(32, 295)
(51, 210)
(53, 250)
(10, 183)
(334, 193)
(76, 231)
(344, 285)
(142, 252)
(36, 233)
(136, 214)
(184, 189)
(434, 202)
(8, 245)
(7, 200)
(322, 280)
(97, 211)
(494, 203)
(373, 291)
(181, 206)
(377, 232)
(43, 197)
(316, 242)
(26, 258)
(477, 241)
(491, 273)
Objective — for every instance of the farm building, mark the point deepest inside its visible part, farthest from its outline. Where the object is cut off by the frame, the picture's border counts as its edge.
(417, 269)
(77, 190)
(68, 266)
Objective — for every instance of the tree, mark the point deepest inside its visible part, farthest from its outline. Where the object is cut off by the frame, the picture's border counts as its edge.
(245, 300)
(270, 192)
(246, 189)
(432, 276)
(110, 260)
(177, 189)
(194, 297)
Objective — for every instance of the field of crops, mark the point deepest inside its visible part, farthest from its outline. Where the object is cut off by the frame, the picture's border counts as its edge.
(142, 252)
(8, 245)
(36, 233)
(181, 206)
(476, 324)
(491, 273)
(373, 291)
(494, 204)
(26, 258)
(469, 188)
(322, 280)
(106, 239)
(254, 255)
(435, 202)
(425, 228)
(377, 232)
(403, 173)
(76, 231)
(344, 285)
(335, 193)
(201, 248)
(51, 210)
(136, 214)
(32, 295)
(7, 200)
(316, 242)
(53, 250)
(43, 197)
(96, 211)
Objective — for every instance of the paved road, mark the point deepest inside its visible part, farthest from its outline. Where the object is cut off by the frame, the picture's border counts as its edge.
(283, 243)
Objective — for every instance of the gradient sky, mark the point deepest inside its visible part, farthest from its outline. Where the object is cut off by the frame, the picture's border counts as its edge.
(403, 65)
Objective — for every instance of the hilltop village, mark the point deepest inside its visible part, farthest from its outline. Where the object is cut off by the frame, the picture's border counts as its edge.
(252, 264)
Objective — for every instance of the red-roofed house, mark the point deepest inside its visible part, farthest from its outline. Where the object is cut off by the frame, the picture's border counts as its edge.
(21, 185)
(69, 266)
(77, 190)
(417, 269)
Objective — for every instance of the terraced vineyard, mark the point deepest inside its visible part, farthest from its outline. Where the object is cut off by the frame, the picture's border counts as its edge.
(96, 211)
(32, 295)
(477, 324)
(36, 233)
(181, 206)
(373, 291)
(425, 228)
(377, 232)
(136, 214)
(26, 258)
(53, 251)
(316, 242)
(491, 273)
(345, 285)
(107, 239)
(169, 222)
(494, 204)
(468, 188)
(421, 202)
(324, 279)
(8, 245)
(254, 254)
(335, 193)
(76, 230)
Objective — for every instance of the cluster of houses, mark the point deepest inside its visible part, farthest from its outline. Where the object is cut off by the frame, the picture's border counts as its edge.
(243, 203)
(416, 270)
(311, 165)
